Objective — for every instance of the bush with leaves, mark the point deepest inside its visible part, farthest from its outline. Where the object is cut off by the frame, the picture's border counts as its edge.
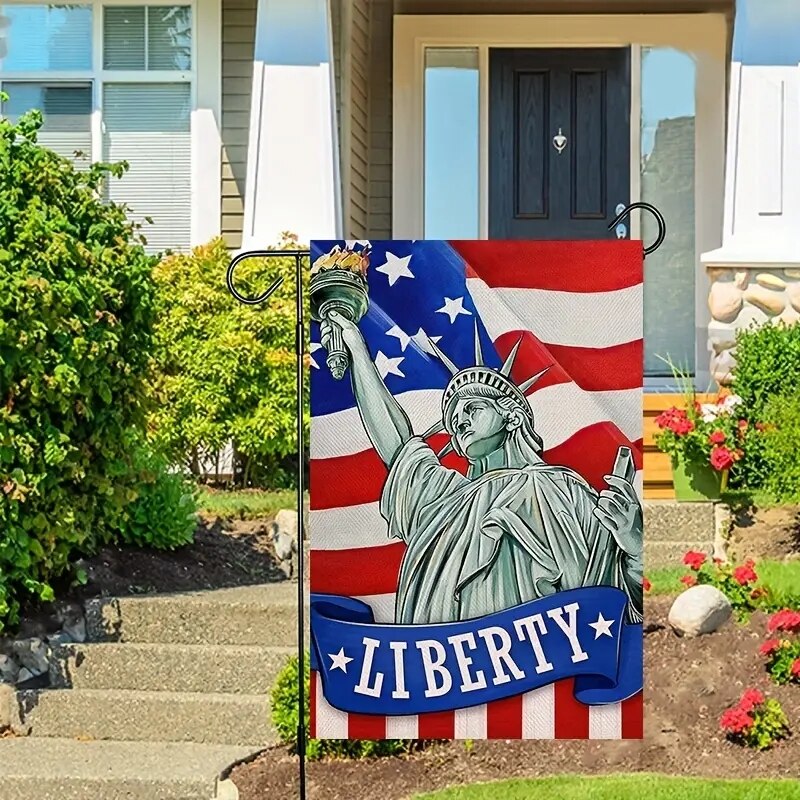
(285, 719)
(76, 318)
(755, 721)
(767, 369)
(780, 446)
(226, 371)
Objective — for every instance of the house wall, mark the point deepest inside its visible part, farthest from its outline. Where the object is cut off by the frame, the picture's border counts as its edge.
(238, 44)
(372, 39)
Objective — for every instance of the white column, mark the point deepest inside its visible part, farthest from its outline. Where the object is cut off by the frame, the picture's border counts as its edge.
(292, 162)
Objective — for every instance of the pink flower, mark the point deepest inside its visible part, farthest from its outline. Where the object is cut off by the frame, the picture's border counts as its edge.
(785, 620)
(734, 720)
(769, 647)
(750, 699)
(796, 667)
(694, 559)
(722, 458)
(744, 575)
(718, 437)
(646, 585)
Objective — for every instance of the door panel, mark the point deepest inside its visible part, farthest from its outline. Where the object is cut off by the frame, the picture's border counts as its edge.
(536, 189)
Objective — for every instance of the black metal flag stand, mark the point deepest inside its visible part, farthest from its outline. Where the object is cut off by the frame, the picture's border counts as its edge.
(298, 256)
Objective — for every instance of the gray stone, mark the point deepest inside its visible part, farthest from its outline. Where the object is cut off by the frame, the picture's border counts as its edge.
(698, 610)
(33, 654)
(9, 669)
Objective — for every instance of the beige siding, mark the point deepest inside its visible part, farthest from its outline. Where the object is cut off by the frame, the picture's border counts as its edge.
(238, 44)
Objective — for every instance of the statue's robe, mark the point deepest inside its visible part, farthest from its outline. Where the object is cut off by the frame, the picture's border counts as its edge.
(479, 546)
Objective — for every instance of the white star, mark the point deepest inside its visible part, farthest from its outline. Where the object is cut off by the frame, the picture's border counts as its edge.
(453, 308)
(350, 244)
(340, 661)
(313, 349)
(602, 627)
(395, 268)
(387, 365)
(423, 341)
(401, 335)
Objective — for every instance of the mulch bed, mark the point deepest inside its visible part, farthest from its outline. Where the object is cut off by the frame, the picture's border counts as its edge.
(688, 684)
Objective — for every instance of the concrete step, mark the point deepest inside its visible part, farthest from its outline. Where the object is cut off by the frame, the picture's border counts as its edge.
(63, 769)
(124, 715)
(672, 528)
(251, 615)
(159, 667)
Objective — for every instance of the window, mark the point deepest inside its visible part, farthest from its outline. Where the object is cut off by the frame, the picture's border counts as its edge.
(140, 94)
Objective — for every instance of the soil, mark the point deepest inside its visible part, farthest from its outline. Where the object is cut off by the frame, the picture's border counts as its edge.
(688, 684)
(766, 533)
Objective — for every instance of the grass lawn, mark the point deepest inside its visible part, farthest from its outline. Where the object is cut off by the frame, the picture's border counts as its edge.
(622, 787)
(782, 578)
(248, 504)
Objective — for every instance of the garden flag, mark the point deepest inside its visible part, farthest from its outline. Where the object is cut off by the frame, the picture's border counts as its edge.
(476, 522)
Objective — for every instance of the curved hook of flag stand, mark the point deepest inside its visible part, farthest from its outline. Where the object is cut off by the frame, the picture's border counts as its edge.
(662, 225)
(298, 256)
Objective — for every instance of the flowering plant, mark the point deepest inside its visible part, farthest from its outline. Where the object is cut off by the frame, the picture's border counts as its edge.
(737, 583)
(782, 651)
(756, 721)
(704, 433)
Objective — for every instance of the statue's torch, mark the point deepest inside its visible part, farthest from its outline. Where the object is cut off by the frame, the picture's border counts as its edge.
(339, 283)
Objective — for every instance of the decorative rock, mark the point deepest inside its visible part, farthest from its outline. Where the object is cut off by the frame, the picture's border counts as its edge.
(741, 279)
(771, 281)
(722, 367)
(792, 273)
(32, 653)
(698, 610)
(768, 301)
(73, 622)
(725, 343)
(715, 273)
(9, 669)
(284, 539)
(724, 301)
(793, 290)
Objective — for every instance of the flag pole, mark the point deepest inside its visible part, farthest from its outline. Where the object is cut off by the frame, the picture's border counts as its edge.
(298, 255)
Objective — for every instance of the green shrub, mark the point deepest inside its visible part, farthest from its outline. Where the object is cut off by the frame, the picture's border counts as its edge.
(226, 371)
(767, 366)
(285, 718)
(164, 513)
(76, 318)
(781, 446)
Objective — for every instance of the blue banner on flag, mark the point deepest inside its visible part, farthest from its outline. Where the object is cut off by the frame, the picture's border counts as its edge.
(371, 668)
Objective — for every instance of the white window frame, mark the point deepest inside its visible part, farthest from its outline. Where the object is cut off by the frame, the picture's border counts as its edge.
(205, 79)
(703, 36)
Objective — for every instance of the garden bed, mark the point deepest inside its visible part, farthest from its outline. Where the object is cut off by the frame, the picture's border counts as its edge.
(688, 684)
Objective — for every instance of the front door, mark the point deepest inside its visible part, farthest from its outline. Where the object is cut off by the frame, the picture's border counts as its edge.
(559, 142)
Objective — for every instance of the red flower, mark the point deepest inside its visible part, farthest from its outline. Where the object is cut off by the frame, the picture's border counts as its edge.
(744, 575)
(750, 699)
(681, 427)
(689, 580)
(718, 437)
(796, 667)
(743, 424)
(734, 720)
(721, 458)
(694, 559)
(646, 585)
(785, 620)
(769, 647)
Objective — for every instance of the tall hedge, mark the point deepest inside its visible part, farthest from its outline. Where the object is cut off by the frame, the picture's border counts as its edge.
(226, 371)
(76, 318)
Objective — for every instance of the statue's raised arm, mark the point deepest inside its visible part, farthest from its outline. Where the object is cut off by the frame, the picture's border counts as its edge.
(384, 420)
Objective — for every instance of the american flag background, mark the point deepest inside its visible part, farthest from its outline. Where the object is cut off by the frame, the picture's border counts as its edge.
(578, 308)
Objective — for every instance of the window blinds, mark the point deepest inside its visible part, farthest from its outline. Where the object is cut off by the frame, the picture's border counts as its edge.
(148, 125)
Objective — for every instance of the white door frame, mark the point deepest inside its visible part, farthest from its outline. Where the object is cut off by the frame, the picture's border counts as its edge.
(703, 36)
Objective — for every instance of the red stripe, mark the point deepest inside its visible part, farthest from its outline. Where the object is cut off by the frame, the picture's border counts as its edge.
(572, 717)
(504, 718)
(366, 726)
(437, 725)
(312, 706)
(590, 452)
(633, 717)
(587, 266)
(358, 571)
(599, 369)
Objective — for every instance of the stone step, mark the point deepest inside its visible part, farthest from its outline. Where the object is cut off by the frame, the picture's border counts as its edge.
(159, 667)
(65, 769)
(262, 615)
(125, 715)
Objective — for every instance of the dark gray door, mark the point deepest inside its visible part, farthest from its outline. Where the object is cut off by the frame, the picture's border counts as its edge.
(559, 142)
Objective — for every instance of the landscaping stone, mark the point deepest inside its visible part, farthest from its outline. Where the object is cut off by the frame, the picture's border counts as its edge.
(32, 654)
(699, 610)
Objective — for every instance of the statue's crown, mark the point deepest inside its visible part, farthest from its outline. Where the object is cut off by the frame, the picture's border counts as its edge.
(497, 379)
